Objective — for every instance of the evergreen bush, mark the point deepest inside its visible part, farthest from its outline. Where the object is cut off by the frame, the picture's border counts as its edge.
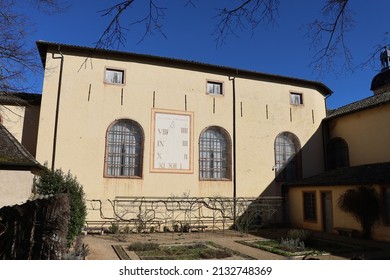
(57, 182)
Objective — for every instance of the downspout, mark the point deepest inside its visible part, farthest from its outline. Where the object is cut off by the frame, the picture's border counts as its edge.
(233, 79)
(61, 57)
(325, 135)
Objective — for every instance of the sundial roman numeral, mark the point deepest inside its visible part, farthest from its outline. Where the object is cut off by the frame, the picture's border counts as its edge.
(160, 143)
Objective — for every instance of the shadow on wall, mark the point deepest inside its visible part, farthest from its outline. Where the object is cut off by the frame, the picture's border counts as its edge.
(307, 162)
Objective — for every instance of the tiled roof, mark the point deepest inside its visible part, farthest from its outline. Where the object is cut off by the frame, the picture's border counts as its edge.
(20, 99)
(378, 173)
(179, 63)
(370, 102)
(13, 156)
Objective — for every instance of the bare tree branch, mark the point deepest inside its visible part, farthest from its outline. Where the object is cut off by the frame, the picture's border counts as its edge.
(371, 60)
(249, 12)
(51, 6)
(327, 36)
(115, 33)
(17, 59)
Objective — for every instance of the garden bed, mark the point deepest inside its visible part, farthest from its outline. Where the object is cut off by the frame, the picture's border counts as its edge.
(316, 247)
(184, 251)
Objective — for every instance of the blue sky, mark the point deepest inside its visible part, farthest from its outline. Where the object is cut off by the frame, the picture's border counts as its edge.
(281, 49)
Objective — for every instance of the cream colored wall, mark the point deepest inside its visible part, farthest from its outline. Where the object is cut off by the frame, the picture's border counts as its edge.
(265, 114)
(88, 106)
(22, 123)
(15, 187)
(12, 118)
(366, 133)
(340, 218)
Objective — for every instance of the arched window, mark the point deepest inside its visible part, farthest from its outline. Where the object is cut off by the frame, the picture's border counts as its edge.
(124, 149)
(214, 154)
(338, 154)
(288, 163)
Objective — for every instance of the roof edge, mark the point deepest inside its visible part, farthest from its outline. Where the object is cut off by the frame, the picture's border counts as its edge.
(43, 47)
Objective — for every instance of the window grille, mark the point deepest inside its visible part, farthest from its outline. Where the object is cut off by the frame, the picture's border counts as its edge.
(338, 153)
(214, 155)
(287, 157)
(124, 149)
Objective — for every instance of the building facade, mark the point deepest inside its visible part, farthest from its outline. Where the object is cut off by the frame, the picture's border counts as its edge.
(19, 116)
(17, 170)
(357, 154)
(130, 125)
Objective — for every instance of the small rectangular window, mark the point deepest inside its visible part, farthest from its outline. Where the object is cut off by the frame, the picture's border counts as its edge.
(214, 88)
(296, 98)
(309, 206)
(114, 76)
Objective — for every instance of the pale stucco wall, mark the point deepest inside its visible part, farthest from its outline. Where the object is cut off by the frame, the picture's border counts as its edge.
(88, 106)
(12, 118)
(15, 187)
(367, 134)
(340, 218)
(22, 123)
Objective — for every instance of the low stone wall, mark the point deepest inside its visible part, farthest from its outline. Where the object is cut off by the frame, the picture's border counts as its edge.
(147, 214)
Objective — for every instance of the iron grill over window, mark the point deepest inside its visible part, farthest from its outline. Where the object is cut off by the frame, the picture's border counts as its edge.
(338, 153)
(124, 149)
(214, 155)
(287, 157)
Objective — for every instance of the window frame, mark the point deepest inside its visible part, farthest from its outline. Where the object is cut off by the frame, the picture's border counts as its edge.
(138, 163)
(337, 153)
(214, 82)
(310, 216)
(223, 162)
(115, 69)
(283, 168)
(292, 94)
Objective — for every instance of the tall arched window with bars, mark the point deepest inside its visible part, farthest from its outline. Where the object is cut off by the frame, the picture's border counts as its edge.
(124, 149)
(214, 154)
(288, 163)
(338, 153)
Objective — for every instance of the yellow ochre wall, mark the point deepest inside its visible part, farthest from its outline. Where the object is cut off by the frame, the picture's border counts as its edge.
(367, 134)
(340, 218)
(88, 106)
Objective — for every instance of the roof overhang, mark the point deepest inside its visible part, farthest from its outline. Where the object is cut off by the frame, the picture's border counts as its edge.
(44, 47)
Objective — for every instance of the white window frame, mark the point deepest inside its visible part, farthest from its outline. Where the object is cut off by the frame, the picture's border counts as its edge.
(120, 80)
(212, 86)
(296, 98)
